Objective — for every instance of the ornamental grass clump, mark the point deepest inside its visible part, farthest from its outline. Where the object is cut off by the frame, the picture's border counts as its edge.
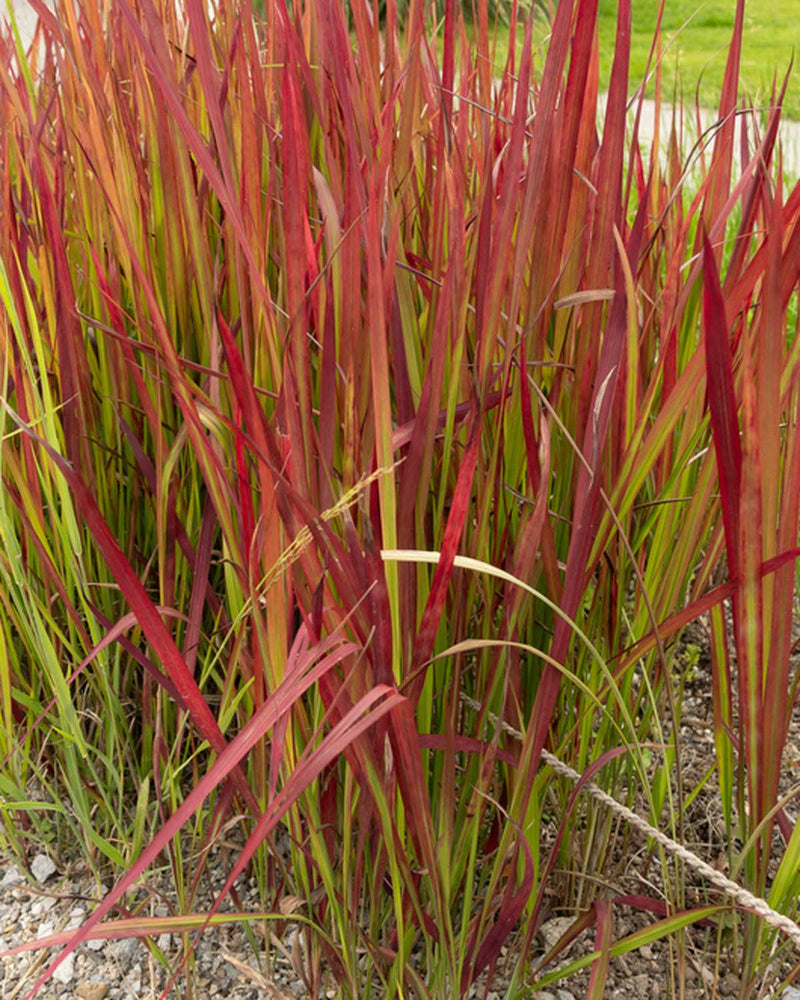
(371, 422)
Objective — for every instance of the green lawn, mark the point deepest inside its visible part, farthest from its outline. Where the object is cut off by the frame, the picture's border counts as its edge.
(699, 51)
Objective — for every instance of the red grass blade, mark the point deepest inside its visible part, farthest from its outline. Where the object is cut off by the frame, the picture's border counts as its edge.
(722, 403)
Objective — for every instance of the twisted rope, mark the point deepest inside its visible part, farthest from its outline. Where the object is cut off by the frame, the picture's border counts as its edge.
(728, 886)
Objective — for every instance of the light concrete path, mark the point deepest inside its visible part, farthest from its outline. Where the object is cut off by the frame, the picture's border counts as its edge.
(24, 16)
(789, 132)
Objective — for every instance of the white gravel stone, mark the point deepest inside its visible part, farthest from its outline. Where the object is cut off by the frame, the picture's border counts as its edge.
(66, 971)
(43, 868)
(12, 876)
(135, 978)
(125, 948)
(551, 931)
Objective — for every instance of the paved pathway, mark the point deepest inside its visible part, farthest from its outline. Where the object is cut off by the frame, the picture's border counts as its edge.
(789, 132)
(25, 18)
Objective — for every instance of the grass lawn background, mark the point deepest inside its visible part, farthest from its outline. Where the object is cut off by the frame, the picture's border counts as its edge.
(772, 30)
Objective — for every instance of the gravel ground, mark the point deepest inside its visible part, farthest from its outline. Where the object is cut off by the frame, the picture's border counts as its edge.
(226, 966)
(126, 969)
(122, 969)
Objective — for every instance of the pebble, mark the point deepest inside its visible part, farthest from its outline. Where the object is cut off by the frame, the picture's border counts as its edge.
(730, 985)
(43, 868)
(91, 991)
(66, 971)
(125, 948)
(550, 932)
(639, 986)
(11, 876)
(135, 977)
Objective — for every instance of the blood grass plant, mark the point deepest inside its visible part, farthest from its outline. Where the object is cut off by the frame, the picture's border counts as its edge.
(282, 294)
